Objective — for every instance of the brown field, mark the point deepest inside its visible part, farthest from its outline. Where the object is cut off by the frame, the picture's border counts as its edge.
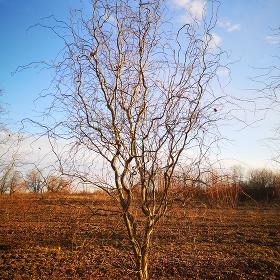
(60, 238)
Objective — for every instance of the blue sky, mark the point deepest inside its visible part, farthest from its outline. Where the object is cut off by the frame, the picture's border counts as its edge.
(243, 29)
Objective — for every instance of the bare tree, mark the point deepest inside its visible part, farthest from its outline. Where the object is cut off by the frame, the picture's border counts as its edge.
(34, 182)
(16, 182)
(9, 177)
(134, 95)
(263, 184)
(5, 179)
(55, 184)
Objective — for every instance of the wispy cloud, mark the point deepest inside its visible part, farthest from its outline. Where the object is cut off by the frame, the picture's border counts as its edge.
(215, 41)
(272, 39)
(223, 72)
(194, 9)
(228, 25)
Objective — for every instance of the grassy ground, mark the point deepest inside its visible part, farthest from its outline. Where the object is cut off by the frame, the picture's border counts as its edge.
(60, 238)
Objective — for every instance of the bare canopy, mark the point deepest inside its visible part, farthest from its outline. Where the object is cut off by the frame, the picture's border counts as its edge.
(135, 89)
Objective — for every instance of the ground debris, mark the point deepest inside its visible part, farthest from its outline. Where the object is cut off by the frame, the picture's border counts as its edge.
(52, 240)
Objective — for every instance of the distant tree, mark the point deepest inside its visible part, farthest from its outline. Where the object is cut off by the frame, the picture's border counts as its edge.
(34, 182)
(55, 184)
(5, 179)
(237, 174)
(10, 178)
(263, 184)
(16, 183)
(261, 178)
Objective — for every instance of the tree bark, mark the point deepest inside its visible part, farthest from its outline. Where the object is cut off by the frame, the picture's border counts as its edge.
(142, 260)
(142, 266)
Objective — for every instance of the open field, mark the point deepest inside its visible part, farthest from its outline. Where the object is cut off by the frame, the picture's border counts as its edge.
(60, 238)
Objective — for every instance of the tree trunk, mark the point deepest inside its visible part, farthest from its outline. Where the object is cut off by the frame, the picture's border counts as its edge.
(142, 259)
(142, 266)
(140, 249)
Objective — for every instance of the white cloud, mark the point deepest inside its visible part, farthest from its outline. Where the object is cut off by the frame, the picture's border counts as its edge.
(181, 3)
(234, 27)
(272, 39)
(112, 19)
(215, 41)
(194, 9)
(31, 151)
(27, 150)
(229, 26)
(223, 72)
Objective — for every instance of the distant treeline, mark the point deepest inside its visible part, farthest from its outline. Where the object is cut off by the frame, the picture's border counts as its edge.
(230, 190)
(213, 189)
(13, 181)
(262, 185)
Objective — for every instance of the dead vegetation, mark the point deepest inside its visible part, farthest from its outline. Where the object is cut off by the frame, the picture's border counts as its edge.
(69, 237)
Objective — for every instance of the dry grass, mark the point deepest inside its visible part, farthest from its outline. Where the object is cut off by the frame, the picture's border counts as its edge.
(57, 237)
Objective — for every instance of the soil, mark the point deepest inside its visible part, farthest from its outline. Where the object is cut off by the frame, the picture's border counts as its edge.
(66, 237)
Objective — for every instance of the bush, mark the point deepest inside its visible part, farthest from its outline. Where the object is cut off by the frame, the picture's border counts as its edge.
(262, 185)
